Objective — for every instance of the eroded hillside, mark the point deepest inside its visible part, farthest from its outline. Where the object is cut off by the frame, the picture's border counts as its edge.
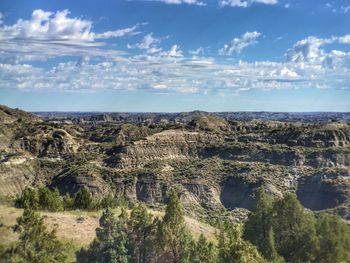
(216, 163)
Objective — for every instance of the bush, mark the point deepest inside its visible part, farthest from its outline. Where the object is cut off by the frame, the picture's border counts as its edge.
(29, 198)
(83, 200)
(68, 202)
(35, 243)
(50, 200)
(108, 202)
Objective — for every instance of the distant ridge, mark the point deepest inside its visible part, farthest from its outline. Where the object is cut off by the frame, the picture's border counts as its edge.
(9, 115)
(194, 115)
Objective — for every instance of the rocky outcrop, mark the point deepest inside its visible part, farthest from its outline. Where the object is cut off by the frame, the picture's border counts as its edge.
(53, 143)
(170, 144)
(215, 163)
(323, 191)
(73, 179)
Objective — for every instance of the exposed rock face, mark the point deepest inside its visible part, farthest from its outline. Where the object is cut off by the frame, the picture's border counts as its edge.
(151, 191)
(52, 144)
(237, 192)
(215, 163)
(72, 180)
(171, 144)
(323, 191)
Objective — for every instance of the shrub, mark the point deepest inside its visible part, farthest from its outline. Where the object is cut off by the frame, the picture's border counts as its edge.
(29, 198)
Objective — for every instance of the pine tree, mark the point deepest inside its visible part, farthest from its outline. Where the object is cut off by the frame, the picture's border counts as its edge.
(203, 251)
(174, 239)
(141, 234)
(83, 200)
(294, 229)
(68, 202)
(29, 199)
(36, 243)
(50, 200)
(233, 248)
(111, 242)
(334, 238)
(258, 228)
(108, 202)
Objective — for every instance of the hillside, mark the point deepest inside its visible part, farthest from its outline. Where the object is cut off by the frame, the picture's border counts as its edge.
(216, 163)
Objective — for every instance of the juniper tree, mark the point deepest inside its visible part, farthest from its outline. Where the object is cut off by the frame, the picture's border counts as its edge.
(203, 251)
(141, 234)
(294, 229)
(258, 228)
(334, 239)
(233, 248)
(110, 244)
(36, 243)
(173, 236)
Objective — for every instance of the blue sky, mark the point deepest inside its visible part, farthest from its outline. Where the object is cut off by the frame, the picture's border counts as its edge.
(175, 55)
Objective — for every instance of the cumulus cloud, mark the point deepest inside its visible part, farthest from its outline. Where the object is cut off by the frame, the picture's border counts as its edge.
(53, 34)
(148, 43)
(172, 73)
(245, 3)
(311, 51)
(174, 52)
(238, 44)
(308, 63)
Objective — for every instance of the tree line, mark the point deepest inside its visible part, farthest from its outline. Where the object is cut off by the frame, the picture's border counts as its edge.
(277, 230)
(50, 200)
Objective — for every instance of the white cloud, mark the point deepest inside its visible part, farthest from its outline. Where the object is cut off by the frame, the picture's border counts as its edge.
(44, 25)
(174, 52)
(238, 44)
(172, 73)
(148, 43)
(308, 63)
(245, 3)
(197, 52)
(47, 34)
(310, 50)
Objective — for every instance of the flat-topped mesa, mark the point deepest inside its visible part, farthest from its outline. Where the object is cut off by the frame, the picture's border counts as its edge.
(170, 144)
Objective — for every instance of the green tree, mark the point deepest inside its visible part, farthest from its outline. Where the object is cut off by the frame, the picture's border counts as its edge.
(234, 249)
(83, 200)
(111, 242)
(203, 251)
(108, 202)
(36, 243)
(141, 234)
(258, 228)
(68, 202)
(295, 232)
(29, 198)
(334, 238)
(174, 239)
(50, 200)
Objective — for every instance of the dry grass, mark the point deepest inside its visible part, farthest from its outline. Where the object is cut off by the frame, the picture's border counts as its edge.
(196, 227)
(79, 227)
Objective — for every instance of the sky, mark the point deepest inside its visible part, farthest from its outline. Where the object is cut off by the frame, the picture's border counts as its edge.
(175, 55)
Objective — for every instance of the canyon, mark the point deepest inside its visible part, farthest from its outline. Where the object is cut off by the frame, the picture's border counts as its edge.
(216, 161)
